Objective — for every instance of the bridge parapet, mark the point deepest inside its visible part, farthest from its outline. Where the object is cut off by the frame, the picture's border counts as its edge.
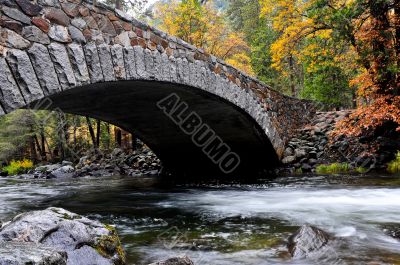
(48, 46)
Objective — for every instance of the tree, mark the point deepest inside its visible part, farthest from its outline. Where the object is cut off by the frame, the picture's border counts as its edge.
(204, 27)
(370, 30)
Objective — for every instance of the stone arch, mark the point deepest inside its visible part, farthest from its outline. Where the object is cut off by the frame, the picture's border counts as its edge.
(60, 49)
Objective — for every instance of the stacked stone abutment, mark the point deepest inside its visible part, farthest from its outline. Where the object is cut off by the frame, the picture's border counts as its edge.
(49, 46)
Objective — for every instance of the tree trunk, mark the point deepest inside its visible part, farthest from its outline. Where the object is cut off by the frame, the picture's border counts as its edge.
(98, 131)
(33, 149)
(108, 136)
(48, 148)
(118, 137)
(291, 76)
(133, 142)
(39, 147)
(61, 136)
(91, 131)
(42, 142)
(75, 141)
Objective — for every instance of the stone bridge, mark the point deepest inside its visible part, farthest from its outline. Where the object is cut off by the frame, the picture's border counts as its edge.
(197, 113)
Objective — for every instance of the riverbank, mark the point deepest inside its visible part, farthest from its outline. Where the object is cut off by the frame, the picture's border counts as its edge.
(95, 163)
(312, 149)
(314, 145)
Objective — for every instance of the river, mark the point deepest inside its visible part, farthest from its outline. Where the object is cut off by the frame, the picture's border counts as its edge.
(228, 224)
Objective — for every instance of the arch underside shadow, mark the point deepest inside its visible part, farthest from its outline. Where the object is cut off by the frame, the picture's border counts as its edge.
(132, 105)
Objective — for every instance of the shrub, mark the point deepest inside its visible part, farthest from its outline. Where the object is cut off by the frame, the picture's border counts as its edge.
(394, 166)
(18, 167)
(334, 168)
(361, 170)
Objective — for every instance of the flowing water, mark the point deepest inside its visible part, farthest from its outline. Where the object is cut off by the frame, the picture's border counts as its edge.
(229, 224)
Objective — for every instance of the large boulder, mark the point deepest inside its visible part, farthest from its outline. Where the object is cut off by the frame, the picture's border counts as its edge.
(30, 253)
(307, 240)
(48, 168)
(175, 261)
(85, 241)
(63, 172)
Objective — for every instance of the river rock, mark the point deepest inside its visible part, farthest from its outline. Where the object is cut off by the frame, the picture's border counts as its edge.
(289, 160)
(21, 253)
(47, 168)
(300, 153)
(63, 172)
(85, 241)
(306, 240)
(175, 261)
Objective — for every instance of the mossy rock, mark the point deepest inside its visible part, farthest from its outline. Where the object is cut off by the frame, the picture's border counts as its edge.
(109, 246)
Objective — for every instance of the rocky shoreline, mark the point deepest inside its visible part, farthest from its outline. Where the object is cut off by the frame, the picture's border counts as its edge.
(55, 236)
(313, 145)
(141, 162)
(310, 147)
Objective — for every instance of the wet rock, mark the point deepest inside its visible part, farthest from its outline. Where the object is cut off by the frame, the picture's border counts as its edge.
(22, 253)
(175, 261)
(29, 8)
(85, 241)
(63, 172)
(16, 14)
(306, 240)
(47, 168)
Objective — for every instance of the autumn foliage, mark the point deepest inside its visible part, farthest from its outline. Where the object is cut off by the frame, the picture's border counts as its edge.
(203, 26)
(377, 43)
(360, 37)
